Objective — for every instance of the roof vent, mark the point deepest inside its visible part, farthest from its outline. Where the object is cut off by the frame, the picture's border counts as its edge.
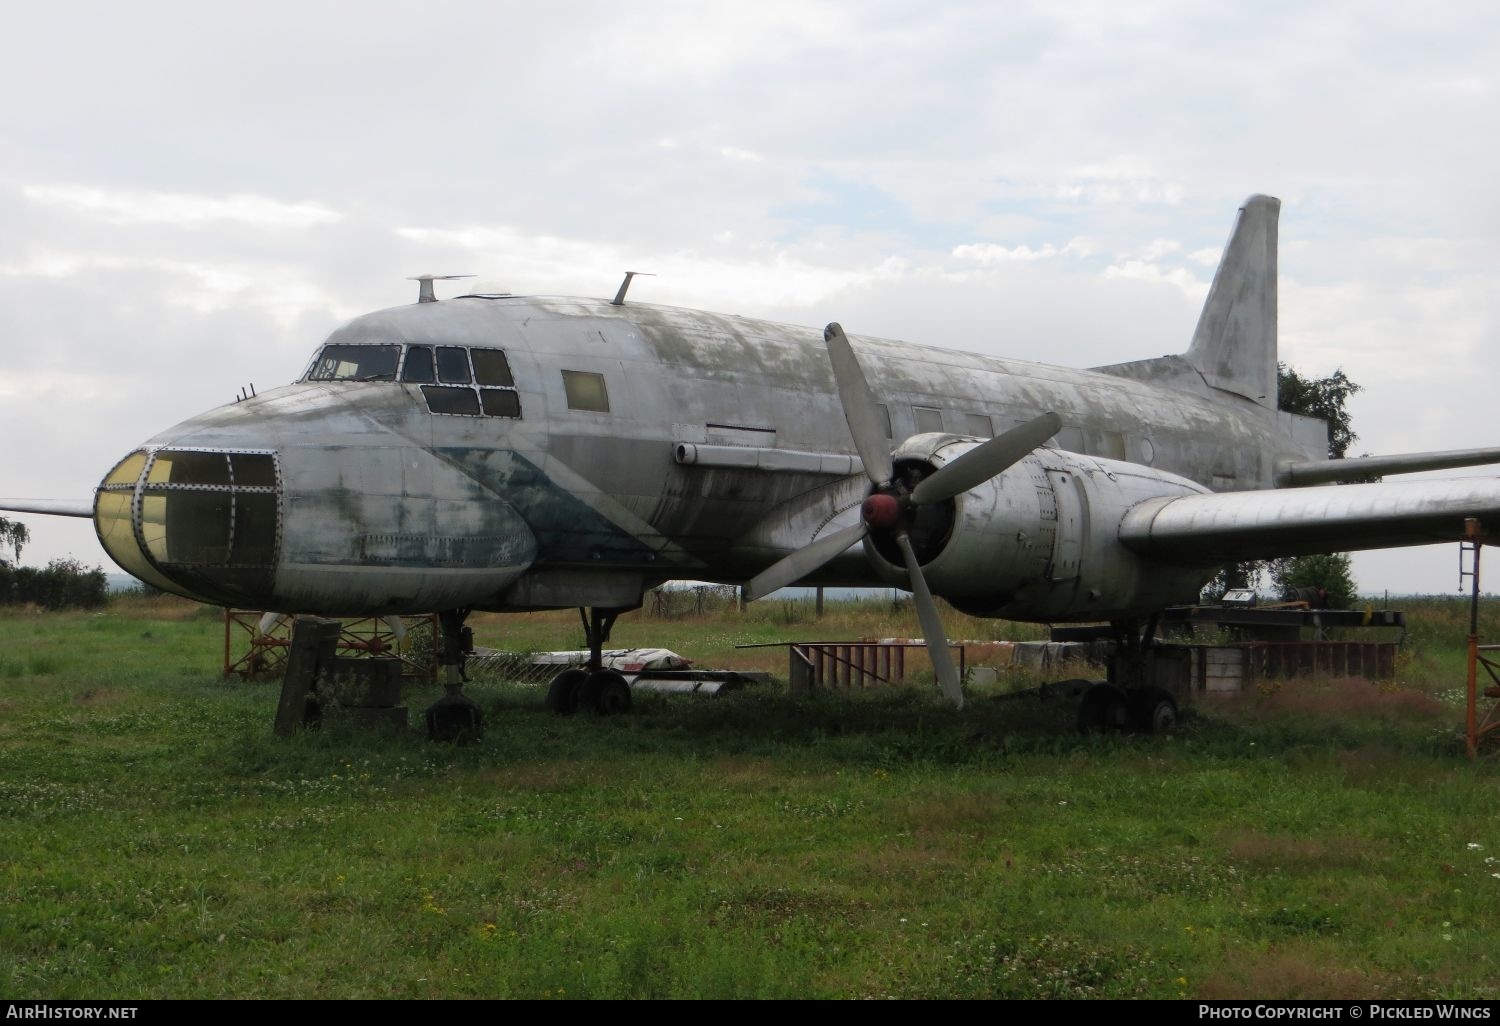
(425, 293)
(486, 289)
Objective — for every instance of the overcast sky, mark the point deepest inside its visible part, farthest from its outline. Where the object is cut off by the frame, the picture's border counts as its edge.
(192, 197)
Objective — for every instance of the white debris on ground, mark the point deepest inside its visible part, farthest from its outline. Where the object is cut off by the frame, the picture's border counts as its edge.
(547, 664)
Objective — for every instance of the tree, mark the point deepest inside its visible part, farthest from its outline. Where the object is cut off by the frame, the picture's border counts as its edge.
(1320, 397)
(1329, 575)
(1312, 397)
(62, 583)
(1324, 580)
(13, 536)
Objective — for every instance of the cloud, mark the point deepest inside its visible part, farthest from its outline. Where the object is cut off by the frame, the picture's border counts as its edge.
(988, 253)
(184, 210)
(1154, 273)
(770, 275)
(1158, 248)
(202, 286)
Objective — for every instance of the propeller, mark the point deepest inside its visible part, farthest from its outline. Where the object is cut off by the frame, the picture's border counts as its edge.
(803, 562)
(932, 626)
(859, 407)
(891, 508)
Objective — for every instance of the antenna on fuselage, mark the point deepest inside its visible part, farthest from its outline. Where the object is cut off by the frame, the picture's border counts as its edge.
(425, 294)
(619, 299)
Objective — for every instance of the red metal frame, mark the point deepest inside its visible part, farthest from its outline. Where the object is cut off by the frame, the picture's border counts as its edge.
(264, 654)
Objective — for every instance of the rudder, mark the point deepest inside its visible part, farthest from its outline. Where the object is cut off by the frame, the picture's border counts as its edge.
(1234, 345)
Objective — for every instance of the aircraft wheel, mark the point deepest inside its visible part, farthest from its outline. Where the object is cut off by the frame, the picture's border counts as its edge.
(455, 717)
(606, 693)
(1072, 688)
(1153, 711)
(1102, 711)
(565, 691)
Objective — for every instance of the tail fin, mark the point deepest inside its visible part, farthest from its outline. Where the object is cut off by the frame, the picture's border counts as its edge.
(1234, 346)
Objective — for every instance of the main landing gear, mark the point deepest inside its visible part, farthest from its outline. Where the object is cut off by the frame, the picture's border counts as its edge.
(596, 689)
(1109, 709)
(1129, 701)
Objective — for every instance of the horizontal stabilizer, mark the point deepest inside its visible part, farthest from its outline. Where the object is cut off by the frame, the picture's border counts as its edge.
(1233, 526)
(51, 507)
(1295, 475)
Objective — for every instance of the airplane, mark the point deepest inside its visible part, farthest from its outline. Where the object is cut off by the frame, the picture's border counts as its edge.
(508, 452)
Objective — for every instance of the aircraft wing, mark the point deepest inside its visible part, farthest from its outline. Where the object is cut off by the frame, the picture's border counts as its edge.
(1295, 475)
(51, 507)
(1235, 526)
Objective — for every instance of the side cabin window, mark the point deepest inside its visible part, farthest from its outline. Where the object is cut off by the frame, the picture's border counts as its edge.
(928, 418)
(345, 362)
(978, 425)
(586, 391)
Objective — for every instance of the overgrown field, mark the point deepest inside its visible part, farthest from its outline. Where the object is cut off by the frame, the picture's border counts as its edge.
(1326, 838)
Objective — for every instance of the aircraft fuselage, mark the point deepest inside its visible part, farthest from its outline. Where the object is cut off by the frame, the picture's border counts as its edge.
(634, 444)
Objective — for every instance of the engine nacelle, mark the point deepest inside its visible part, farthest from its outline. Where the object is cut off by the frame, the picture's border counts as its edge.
(1039, 541)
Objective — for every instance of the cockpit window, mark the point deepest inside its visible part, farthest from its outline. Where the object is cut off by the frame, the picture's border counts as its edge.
(418, 365)
(474, 383)
(340, 362)
(455, 380)
(491, 368)
(453, 365)
(500, 402)
(448, 399)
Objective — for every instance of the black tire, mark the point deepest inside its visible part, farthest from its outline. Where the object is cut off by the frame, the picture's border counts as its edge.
(1153, 711)
(565, 691)
(1073, 687)
(606, 694)
(456, 719)
(1102, 710)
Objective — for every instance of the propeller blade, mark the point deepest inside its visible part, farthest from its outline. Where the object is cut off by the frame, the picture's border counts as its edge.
(980, 464)
(860, 408)
(802, 562)
(932, 626)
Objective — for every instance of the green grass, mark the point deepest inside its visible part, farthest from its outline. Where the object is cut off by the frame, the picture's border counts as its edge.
(1322, 839)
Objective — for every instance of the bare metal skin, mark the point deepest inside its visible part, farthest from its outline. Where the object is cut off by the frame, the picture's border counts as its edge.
(705, 446)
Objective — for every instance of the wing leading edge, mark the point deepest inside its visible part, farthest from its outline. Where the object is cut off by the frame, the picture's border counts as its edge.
(49, 507)
(1233, 526)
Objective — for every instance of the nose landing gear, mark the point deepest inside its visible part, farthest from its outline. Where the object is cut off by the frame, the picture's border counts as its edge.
(455, 717)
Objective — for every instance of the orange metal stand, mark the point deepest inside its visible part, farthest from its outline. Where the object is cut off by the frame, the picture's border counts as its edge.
(1479, 730)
